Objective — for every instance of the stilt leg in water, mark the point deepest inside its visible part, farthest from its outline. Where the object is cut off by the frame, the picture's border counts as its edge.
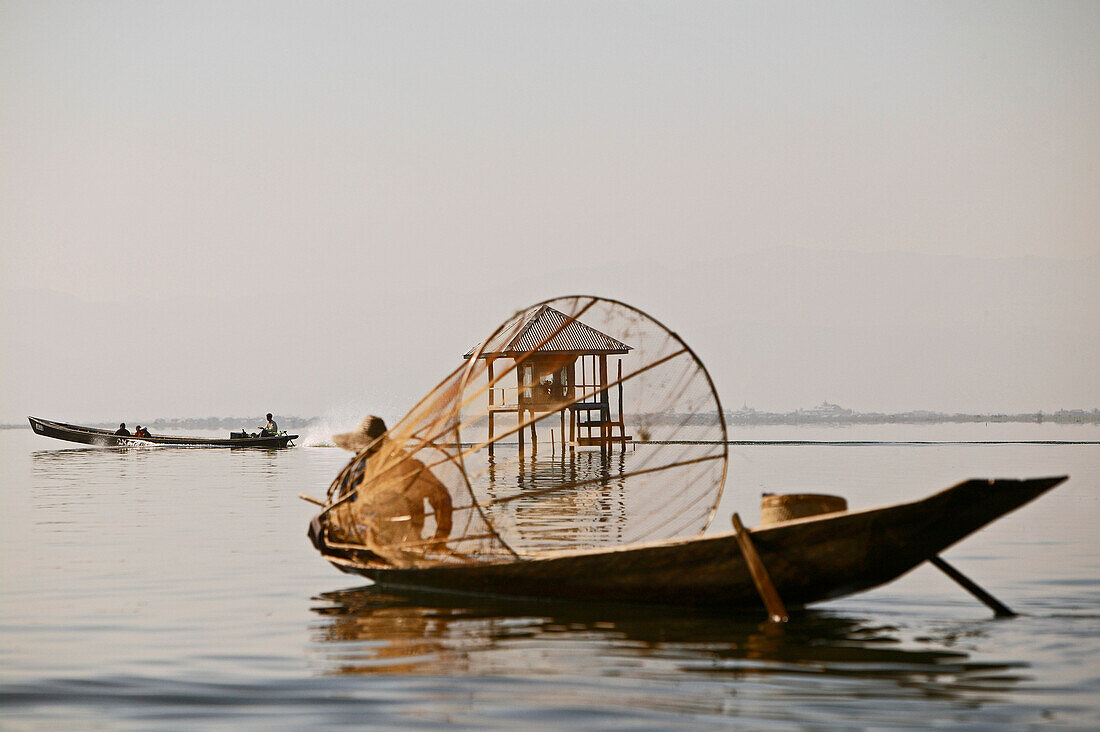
(1000, 610)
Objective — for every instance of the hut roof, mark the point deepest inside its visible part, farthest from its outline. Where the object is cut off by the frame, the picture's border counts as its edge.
(569, 336)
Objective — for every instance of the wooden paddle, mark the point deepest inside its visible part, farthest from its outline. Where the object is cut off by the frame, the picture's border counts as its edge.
(998, 608)
(777, 612)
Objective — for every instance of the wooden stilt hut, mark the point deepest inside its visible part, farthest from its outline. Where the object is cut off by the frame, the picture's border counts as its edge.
(560, 365)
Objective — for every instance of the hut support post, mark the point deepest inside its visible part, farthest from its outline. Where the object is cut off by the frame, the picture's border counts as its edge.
(777, 612)
(998, 608)
(622, 420)
(605, 413)
(492, 442)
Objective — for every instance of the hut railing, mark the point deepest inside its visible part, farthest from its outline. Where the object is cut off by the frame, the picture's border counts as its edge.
(498, 397)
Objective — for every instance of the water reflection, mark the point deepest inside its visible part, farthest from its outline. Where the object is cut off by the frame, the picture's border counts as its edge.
(372, 630)
(85, 455)
(594, 513)
(71, 488)
(76, 473)
(591, 498)
(70, 459)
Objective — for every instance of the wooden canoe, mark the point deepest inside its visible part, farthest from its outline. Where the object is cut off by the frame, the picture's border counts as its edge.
(809, 560)
(107, 438)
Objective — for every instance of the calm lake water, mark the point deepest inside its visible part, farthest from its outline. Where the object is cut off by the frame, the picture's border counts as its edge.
(175, 588)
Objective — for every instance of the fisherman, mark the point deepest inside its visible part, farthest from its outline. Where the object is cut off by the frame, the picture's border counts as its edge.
(270, 429)
(141, 432)
(122, 430)
(396, 485)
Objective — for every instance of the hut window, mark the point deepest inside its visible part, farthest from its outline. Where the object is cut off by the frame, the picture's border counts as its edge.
(528, 380)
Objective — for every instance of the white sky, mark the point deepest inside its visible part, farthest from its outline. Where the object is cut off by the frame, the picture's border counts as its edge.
(215, 208)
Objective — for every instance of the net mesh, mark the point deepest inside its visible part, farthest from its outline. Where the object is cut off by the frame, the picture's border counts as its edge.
(580, 422)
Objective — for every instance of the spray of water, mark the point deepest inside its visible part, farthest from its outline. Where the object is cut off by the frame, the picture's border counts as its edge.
(344, 418)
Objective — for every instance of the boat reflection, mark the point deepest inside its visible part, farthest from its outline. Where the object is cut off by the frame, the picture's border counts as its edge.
(384, 631)
(79, 463)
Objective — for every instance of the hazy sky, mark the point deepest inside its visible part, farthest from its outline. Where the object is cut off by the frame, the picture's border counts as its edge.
(215, 208)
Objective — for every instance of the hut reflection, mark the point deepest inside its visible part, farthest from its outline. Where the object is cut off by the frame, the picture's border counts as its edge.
(592, 513)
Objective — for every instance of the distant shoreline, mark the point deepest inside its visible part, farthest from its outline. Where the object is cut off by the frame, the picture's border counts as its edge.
(194, 423)
(1064, 416)
(827, 415)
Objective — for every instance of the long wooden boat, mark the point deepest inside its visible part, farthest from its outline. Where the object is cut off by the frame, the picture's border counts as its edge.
(107, 438)
(809, 560)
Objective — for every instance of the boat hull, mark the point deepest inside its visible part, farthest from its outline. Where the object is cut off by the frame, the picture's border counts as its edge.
(809, 560)
(106, 438)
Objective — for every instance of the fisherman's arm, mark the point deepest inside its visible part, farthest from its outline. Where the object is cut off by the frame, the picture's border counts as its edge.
(427, 486)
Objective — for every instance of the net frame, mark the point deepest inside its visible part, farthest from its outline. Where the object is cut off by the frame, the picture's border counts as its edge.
(434, 429)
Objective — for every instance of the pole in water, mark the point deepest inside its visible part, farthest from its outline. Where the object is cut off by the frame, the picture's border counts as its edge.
(999, 609)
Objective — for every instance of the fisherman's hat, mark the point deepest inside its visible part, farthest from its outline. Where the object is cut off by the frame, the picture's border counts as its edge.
(369, 430)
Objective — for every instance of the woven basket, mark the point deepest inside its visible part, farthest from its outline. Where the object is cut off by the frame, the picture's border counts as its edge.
(784, 507)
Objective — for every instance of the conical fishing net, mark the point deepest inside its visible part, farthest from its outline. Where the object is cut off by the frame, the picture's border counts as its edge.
(579, 423)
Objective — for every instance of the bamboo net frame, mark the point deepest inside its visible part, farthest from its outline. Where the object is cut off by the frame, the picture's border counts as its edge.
(655, 469)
